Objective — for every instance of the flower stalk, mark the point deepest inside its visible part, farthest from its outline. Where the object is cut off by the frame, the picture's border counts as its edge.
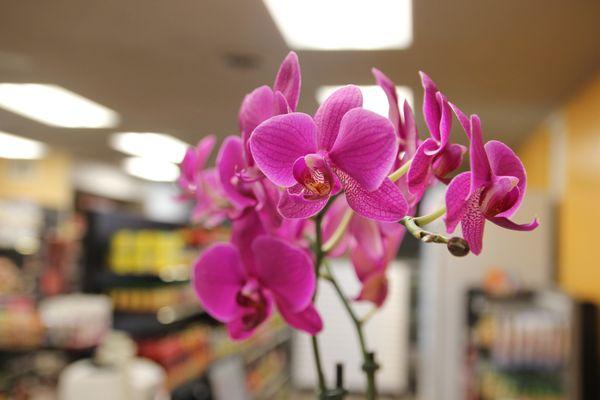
(369, 365)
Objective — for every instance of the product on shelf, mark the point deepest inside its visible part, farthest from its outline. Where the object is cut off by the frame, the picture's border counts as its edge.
(146, 251)
(151, 299)
(20, 324)
(184, 355)
(76, 321)
(518, 346)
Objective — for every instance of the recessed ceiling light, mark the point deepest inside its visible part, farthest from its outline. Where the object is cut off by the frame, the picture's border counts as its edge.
(343, 24)
(17, 147)
(374, 98)
(151, 169)
(158, 146)
(55, 106)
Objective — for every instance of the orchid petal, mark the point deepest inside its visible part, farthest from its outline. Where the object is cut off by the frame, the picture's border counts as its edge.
(456, 200)
(462, 119)
(218, 277)
(288, 80)
(384, 204)
(431, 108)
(500, 196)
(286, 271)
(278, 142)
(504, 161)
(375, 289)
(480, 165)
(508, 224)
(329, 115)
(390, 91)
(368, 236)
(307, 320)
(256, 107)
(230, 161)
(419, 172)
(473, 222)
(365, 147)
(448, 160)
(296, 206)
(445, 123)
(411, 134)
(244, 230)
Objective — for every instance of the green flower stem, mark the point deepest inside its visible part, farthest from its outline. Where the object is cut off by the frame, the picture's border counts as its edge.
(339, 232)
(315, 344)
(369, 365)
(421, 234)
(400, 172)
(429, 218)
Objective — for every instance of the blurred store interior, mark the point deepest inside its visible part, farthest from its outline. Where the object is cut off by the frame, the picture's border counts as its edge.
(95, 248)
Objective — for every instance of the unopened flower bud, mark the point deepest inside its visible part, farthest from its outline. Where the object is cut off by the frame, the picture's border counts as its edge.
(458, 246)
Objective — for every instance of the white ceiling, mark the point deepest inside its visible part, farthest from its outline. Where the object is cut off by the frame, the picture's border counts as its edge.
(183, 66)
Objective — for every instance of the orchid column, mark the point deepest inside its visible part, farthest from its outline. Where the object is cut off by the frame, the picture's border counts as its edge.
(301, 189)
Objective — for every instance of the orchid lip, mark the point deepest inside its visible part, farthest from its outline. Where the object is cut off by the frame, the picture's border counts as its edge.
(313, 173)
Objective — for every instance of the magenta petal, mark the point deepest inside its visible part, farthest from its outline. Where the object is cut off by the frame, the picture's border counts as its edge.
(218, 277)
(448, 160)
(365, 147)
(480, 165)
(329, 115)
(411, 139)
(462, 119)
(375, 289)
(288, 80)
(473, 222)
(307, 320)
(278, 142)
(230, 161)
(456, 198)
(431, 108)
(296, 206)
(244, 230)
(445, 119)
(500, 196)
(504, 161)
(239, 331)
(419, 172)
(390, 91)
(508, 224)
(384, 204)
(287, 271)
(256, 107)
(368, 236)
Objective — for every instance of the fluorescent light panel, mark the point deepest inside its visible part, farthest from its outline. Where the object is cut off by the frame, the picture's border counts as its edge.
(343, 24)
(157, 146)
(374, 98)
(17, 147)
(55, 106)
(151, 169)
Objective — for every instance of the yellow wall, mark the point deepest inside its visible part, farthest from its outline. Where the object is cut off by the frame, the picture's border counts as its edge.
(579, 204)
(46, 182)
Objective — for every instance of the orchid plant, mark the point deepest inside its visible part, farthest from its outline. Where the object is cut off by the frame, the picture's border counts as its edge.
(301, 189)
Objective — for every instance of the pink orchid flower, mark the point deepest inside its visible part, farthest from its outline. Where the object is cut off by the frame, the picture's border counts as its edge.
(241, 291)
(265, 102)
(244, 186)
(406, 129)
(192, 165)
(492, 190)
(436, 156)
(371, 244)
(343, 147)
